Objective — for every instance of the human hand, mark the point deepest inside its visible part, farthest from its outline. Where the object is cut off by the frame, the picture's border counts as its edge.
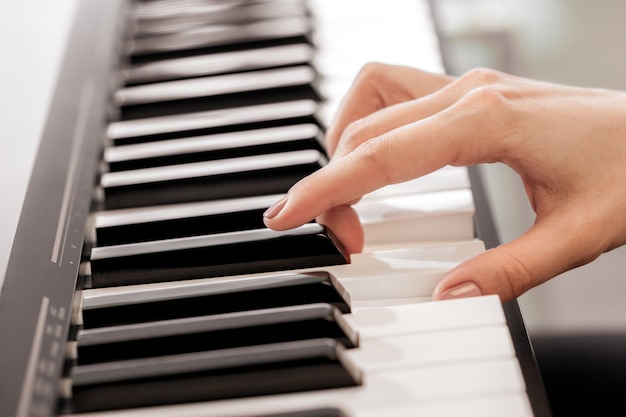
(568, 145)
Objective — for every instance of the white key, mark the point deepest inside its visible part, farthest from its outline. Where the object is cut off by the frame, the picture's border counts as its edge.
(403, 273)
(433, 348)
(351, 33)
(513, 405)
(379, 322)
(446, 178)
(443, 215)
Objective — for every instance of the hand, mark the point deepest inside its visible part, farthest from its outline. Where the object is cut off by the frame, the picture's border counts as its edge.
(568, 145)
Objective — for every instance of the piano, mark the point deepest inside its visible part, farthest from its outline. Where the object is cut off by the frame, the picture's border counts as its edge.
(141, 281)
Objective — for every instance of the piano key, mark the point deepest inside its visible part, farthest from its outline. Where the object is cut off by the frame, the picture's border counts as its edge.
(444, 179)
(232, 373)
(212, 121)
(379, 322)
(510, 405)
(220, 35)
(379, 36)
(219, 63)
(213, 332)
(140, 224)
(217, 92)
(370, 276)
(214, 85)
(155, 18)
(318, 412)
(477, 383)
(211, 180)
(99, 309)
(432, 348)
(262, 250)
(428, 217)
(217, 146)
(403, 274)
(480, 364)
(514, 405)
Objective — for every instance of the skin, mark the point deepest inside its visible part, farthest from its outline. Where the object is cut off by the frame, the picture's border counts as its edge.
(568, 144)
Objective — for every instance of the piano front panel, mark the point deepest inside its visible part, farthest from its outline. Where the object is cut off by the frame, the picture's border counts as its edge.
(176, 298)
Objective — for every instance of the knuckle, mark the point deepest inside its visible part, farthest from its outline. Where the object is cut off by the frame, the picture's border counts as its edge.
(355, 133)
(372, 70)
(482, 76)
(373, 154)
(486, 97)
(516, 274)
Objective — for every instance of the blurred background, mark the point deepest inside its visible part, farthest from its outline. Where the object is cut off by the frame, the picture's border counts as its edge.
(577, 321)
(577, 42)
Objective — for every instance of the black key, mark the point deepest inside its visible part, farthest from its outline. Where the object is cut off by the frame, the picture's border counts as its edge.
(152, 18)
(211, 147)
(212, 180)
(263, 250)
(217, 92)
(219, 63)
(116, 227)
(317, 412)
(212, 122)
(215, 297)
(215, 375)
(220, 331)
(203, 39)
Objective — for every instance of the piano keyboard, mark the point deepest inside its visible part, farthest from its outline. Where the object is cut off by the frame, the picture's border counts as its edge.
(186, 305)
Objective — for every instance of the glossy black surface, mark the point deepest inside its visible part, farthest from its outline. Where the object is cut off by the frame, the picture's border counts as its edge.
(224, 297)
(140, 264)
(201, 187)
(222, 331)
(319, 368)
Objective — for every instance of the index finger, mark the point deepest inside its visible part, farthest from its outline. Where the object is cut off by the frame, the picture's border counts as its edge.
(404, 153)
(378, 86)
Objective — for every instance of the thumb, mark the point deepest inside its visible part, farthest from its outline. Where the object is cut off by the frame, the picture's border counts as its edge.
(546, 250)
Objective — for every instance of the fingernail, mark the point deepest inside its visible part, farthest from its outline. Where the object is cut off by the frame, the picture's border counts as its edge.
(464, 290)
(275, 208)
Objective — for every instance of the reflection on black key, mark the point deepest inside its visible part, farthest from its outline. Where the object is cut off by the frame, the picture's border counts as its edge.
(212, 121)
(220, 331)
(211, 147)
(202, 37)
(317, 412)
(217, 92)
(153, 18)
(116, 227)
(215, 375)
(210, 64)
(263, 250)
(215, 85)
(216, 297)
(211, 180)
